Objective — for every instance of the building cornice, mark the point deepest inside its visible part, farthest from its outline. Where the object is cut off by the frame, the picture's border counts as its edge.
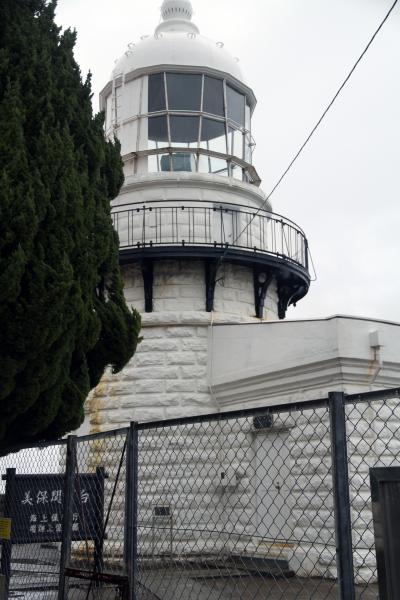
(306, 382)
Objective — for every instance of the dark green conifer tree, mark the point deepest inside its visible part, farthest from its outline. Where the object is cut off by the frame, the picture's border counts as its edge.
(63, 317)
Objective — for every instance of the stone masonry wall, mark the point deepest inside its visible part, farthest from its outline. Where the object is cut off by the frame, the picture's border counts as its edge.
(167, 377)
(373, 430)
(179, 287)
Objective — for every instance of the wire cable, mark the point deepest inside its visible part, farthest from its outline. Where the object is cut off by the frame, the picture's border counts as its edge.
(314, 129)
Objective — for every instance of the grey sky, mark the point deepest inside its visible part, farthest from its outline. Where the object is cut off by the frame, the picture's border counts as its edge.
(345, 189)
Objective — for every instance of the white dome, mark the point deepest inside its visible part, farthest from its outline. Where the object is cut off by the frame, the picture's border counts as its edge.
(178, 48)
(177, 41)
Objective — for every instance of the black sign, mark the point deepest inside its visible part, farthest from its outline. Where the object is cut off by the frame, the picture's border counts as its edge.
(36, 507)
(385, 496)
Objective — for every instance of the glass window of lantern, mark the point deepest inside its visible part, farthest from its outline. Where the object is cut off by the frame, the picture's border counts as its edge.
(213, 135)
(235, 103)
(218, 166)
(235, 144)
(164, 162)
(213, 96)
(132, 97)
(236, 171)
(158, 132)
(184, 161)
(156, 93)
(184, 131)
(153, 163)
(184, 91)
(247, 117)
(211, 164)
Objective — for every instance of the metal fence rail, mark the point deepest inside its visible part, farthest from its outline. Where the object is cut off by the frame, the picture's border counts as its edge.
(253, 504)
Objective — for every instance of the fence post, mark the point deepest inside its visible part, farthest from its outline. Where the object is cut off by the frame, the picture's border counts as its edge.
(68, 509)
(131, 509)
(340, 476)
(6, 550)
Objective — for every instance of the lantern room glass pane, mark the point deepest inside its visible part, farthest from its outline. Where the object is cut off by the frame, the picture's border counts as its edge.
(158, 132)
(153, 163)
(218, 166)
(248, 117)
(213, 135)
(183, 161)
(236, 171)
(184, 131)
(211, 164)
(165, 162)
(213, 101)
(235, 142)
(156, 92)
(236, 103)
(184, 91)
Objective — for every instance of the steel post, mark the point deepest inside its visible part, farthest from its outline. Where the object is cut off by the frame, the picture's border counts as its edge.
(131, 509)
(340, 475)
(69, 488)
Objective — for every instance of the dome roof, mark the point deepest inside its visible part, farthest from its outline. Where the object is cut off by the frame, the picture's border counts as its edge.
(177, 41)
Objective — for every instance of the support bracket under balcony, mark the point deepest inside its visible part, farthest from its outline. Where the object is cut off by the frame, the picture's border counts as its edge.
(288, 294)
(146, 266)
(211, 269)
(262, 280)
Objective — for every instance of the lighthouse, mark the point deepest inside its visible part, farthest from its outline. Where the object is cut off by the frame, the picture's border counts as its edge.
(199, 242)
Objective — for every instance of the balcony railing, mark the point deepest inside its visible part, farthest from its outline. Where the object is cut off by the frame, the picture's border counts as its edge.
(213, 225)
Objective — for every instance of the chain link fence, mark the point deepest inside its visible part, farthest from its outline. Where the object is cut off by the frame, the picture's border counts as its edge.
(272, 503)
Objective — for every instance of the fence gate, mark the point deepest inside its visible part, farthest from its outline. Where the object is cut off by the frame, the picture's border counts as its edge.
(97, 561)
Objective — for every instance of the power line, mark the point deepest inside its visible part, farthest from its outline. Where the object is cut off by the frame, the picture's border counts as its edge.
(314, 129)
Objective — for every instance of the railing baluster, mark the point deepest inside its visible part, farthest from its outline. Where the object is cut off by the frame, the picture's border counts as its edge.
(262, 233)
(273, 236)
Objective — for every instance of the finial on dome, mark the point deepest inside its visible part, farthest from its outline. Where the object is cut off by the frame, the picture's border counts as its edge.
(177, 16)
(176, 9)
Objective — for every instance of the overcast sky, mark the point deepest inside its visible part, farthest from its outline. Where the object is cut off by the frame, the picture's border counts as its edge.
(344, 191)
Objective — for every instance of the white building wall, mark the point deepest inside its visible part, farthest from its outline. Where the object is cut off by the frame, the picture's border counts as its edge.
(169, 377)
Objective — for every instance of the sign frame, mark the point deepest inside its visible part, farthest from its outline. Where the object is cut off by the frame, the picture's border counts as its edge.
(93, 523)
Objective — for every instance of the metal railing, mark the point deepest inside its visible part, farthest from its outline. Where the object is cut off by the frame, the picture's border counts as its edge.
(208, 224)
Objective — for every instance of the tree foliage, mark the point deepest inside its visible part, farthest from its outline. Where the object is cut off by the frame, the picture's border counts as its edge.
(63, 317)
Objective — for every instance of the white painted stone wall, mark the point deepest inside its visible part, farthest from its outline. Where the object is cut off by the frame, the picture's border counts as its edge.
(373, 441)
(179, 289)
(168, 376)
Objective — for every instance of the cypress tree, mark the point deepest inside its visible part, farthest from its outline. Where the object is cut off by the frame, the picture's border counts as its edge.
(63, 317)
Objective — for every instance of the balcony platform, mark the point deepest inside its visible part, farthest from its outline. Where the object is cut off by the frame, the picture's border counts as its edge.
(272, 246)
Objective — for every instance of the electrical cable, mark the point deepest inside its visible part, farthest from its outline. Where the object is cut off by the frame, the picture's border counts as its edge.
(314, 129)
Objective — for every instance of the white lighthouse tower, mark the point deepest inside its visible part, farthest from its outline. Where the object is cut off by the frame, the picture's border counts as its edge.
(199, 243)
